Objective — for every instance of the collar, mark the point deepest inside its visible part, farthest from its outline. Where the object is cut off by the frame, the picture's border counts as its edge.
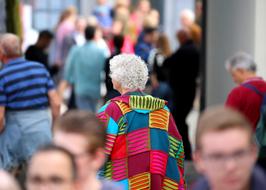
(137, 92)
(15, 61)
(252, 79)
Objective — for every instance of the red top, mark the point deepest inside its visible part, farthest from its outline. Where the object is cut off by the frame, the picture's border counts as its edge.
(246, 100)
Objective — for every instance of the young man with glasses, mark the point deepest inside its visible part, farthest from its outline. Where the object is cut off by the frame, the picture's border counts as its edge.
(84, 136)
(226, 152)
(51, 167)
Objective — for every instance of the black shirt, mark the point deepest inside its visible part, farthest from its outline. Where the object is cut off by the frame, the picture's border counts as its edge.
(37, 54)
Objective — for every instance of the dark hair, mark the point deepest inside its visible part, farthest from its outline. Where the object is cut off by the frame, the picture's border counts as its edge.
(149, 30)
(55, 148)
(46, 34)
(118, 41)
(86, 124)
(90, 32)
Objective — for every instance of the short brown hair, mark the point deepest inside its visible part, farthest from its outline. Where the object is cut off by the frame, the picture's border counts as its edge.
(220, 118)
(54, 148)
(83, 123)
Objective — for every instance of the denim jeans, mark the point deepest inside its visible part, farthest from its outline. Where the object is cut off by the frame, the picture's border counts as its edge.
(24, 132)
(86, 103)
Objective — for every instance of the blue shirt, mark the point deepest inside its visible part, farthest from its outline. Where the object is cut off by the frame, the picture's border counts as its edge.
(143, 48)
(84, 65)
(24, 85)
(103, 15)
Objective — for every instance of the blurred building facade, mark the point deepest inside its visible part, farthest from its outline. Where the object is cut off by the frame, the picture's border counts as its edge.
(231, 26)
(2, 16)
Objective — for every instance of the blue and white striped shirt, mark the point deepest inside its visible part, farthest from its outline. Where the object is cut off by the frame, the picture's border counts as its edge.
(24, 85)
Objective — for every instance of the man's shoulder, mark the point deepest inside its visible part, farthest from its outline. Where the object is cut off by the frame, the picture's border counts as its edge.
(238, 89)
(20, 66)
(258, 179)
(201, 184)
(244, 89)
(34, 65)
(259, 84)
(109, 185)
(75, 48)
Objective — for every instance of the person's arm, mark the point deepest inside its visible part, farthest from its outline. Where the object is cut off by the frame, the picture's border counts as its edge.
(55, 102)
(68, 76)
(63, 85)
(3, 100)
(105, 115)
(154, 81)
(2, 116)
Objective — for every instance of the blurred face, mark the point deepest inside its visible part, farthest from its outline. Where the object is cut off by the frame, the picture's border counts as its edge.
(237, 75)
(155, 14)
(185, 20)
(144, 6)
(151, 37)
(117, 27)
(50, 170)
(78, 145)
(101, 2)
(226, 158)
(125, 3)
(81, 25)
(98, 34)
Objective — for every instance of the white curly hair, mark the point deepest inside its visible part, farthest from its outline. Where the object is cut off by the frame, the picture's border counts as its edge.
(129, 70)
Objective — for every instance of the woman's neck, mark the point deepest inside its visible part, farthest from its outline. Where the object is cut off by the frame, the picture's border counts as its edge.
(125, 91)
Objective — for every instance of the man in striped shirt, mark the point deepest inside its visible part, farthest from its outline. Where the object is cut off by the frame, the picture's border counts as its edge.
(26, 93)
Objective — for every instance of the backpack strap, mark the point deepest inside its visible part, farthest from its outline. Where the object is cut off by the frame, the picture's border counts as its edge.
(253, 88)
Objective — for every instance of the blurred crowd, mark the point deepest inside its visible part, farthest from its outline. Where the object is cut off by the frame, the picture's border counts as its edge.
(121, 29)
(55, 93)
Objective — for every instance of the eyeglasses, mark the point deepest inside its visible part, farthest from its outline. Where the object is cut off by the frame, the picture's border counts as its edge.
(217, 159)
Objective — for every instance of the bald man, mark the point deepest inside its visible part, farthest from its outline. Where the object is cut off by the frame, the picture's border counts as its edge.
(26, 94)
(7, 181)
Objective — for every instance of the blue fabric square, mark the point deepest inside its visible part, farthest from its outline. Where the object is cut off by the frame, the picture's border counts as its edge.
(102, 109)
(159, 140)
(123, 184)
(137, 121)
(112, 127)
(166, 108)
(171, 170)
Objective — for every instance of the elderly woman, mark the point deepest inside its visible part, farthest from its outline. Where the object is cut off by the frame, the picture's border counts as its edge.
(144, 148)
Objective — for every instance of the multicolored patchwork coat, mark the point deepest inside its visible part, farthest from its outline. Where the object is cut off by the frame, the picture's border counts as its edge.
(144, 147)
